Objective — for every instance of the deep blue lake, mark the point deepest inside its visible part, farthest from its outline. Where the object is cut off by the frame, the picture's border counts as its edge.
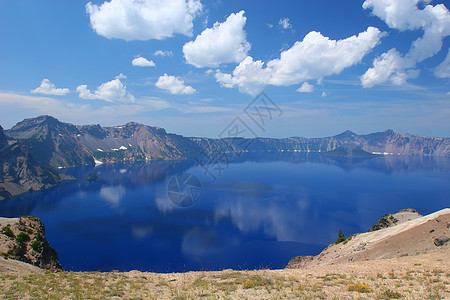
(260, 211)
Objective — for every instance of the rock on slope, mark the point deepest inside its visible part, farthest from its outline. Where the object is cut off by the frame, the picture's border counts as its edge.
(23, 239)
(401, 216)
(20, 172)
(407, 238)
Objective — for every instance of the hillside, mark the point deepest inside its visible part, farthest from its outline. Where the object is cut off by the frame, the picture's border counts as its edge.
(20, 172)
(410, 235)
(23, 239)
(61, 144)
(421, 275)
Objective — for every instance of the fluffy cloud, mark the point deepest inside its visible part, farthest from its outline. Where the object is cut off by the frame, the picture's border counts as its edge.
(403, 15)
(443, 70)
(49, 88)
(111, 91)
(142, 62)
(223, 43)
(143, 20)
(313, 58)
(305, 88)
(163, 53)
(284, 23)
(174, 85)
(318, 56)
(249, 76)
(384, 67)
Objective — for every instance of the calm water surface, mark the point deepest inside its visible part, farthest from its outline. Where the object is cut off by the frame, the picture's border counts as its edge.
(260, 212)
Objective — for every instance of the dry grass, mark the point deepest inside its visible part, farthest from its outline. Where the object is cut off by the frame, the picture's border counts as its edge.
(420, 277)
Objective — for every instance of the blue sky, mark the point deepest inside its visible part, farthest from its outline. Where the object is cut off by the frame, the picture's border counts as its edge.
(193, 66)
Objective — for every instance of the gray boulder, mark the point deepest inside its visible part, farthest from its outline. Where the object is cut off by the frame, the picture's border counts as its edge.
(441, 240)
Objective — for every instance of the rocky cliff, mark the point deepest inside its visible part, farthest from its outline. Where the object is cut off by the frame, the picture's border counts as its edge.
(23, 239)
(20, 172)
(61, 144)
(386, 142)
(52, 142)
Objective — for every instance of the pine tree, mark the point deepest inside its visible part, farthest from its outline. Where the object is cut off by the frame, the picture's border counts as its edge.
(341, 237)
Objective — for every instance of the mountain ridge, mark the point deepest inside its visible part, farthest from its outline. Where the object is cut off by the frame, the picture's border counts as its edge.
(20, 172)
(37, 147)
(60, 144)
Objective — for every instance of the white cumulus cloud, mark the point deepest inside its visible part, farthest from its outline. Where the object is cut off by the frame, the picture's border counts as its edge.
(223, 43)
(443, 70)
(389, 65)
(174, 85)
(163, 53)
(404, 15)
(142, 62)
(111, 91)
(143, 20)
(305, 88)
(284, 23)
(318, 56)
(49, 88)
(249, 76)
(315, 57)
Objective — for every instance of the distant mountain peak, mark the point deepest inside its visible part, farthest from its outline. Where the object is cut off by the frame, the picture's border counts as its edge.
(346, 133)
(133, 124)
(46, 118)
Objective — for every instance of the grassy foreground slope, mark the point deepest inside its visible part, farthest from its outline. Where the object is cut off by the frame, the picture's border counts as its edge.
(401, 261)
(426, 276)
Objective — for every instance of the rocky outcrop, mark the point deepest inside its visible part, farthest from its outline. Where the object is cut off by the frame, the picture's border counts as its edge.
(401, 216)
(300, 262)
(23, 239)
(407, 237)
(20, 172)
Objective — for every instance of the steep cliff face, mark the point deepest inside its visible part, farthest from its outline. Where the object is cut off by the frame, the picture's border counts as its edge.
(61, 144)
(24, 239)
(134, 142)
(387, 142)
(65, 145)
(20, 172)
(52, 142)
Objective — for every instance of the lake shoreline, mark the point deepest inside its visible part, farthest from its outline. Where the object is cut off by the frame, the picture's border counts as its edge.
(400, 276)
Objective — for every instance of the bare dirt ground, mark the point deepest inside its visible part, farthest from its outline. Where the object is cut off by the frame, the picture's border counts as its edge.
(378, 274)
(407, 238)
